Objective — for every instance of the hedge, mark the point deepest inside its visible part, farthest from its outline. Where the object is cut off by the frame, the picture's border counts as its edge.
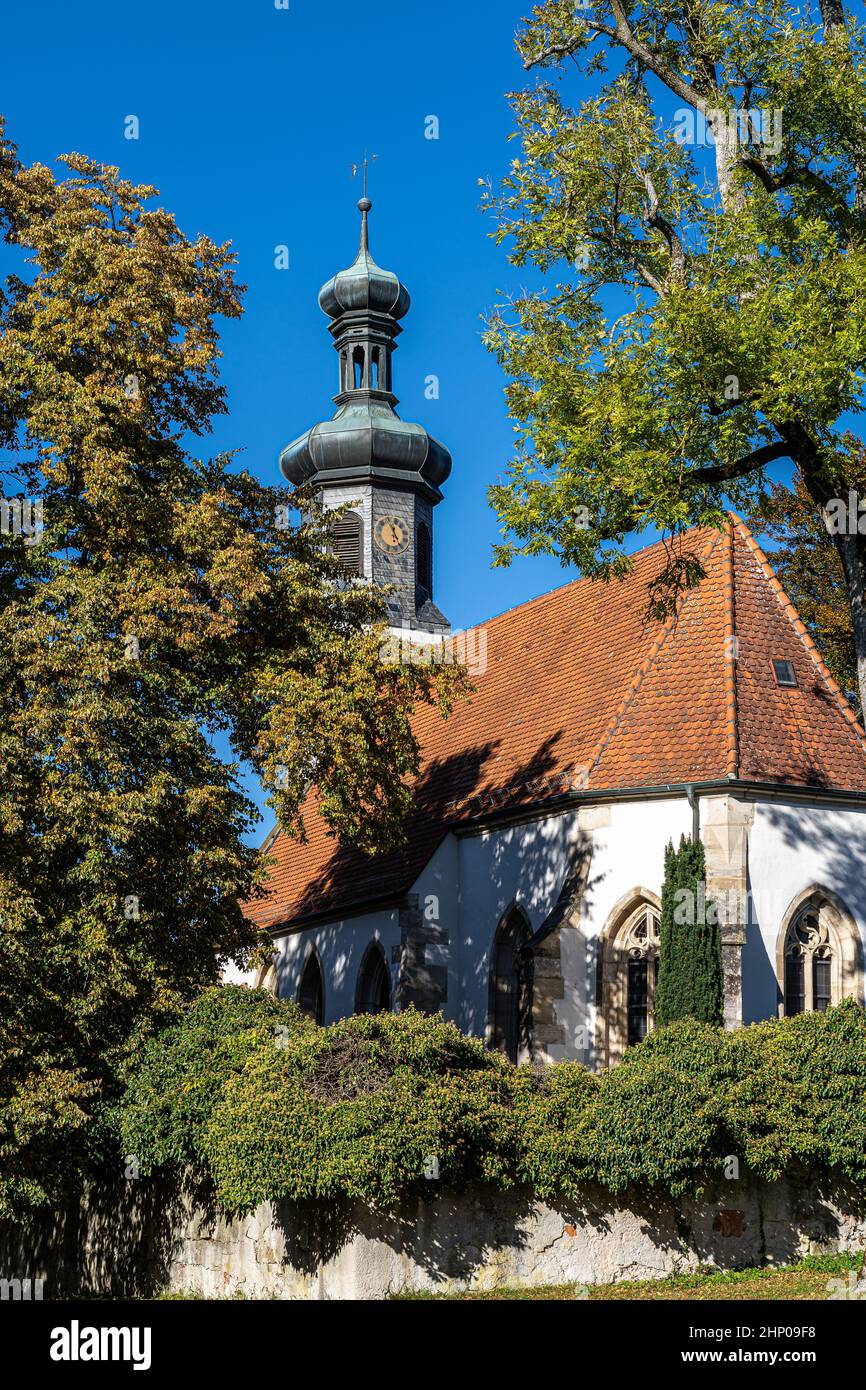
(249, 1092)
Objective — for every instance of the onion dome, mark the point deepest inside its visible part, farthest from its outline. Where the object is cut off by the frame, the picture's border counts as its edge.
(366, 437)
(364, 286)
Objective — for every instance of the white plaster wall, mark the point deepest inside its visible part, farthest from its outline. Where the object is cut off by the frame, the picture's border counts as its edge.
(438, 889)
(233, 975)
(468, 885)
(628, 853)
(525, 864)
(794, 847)
(341, 946)
(472, 880)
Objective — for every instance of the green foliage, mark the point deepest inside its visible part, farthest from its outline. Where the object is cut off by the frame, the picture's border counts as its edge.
(551, 1106)
(658, 1119)
(167, 605)
(180, 1073)
(799, 1092)
(366, 1108)
(702, 312)
(375, 1107)
(691, 978)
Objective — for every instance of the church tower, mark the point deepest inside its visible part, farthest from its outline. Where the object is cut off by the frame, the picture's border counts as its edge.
(390, 471)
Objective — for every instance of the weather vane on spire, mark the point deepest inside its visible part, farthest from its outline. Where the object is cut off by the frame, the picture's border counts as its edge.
(366, 161)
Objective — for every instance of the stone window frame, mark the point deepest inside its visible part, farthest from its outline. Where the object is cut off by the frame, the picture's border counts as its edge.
(267, 977)
(837, 932)
(611, 1031)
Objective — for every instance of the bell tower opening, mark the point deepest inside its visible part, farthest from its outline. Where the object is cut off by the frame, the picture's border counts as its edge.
(358, 365)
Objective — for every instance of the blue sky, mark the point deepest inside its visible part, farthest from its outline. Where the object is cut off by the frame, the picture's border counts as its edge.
(250, 118)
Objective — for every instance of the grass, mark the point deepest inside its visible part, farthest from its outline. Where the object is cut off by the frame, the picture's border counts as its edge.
(806, 1280)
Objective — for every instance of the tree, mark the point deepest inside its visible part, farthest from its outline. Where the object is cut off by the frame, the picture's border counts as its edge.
(704, 209)
(691, 978)
(154, 601)
(808, 565)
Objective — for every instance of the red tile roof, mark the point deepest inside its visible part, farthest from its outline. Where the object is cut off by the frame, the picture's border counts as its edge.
(581, 689)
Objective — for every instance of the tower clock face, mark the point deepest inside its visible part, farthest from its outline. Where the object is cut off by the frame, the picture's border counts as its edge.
(391, 534)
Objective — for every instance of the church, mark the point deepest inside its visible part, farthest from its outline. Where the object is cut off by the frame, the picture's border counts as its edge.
(524, 904)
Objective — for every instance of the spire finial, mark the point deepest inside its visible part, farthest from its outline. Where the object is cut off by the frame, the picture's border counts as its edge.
(364, 204)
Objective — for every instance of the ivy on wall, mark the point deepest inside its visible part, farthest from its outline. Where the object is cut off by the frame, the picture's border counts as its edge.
(267, 1105)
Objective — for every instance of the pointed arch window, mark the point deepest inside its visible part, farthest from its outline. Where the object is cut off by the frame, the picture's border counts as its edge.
(510, 1001)
(820, 955)
(628, 971)
(424, 557)
(311, 991)
(641, 945)
(373, 991)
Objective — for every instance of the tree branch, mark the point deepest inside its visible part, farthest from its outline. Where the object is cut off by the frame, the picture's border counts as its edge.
(623, 35)
(659, 222)
(647, 276)
(833, 15)
(805, 178)
(567, 50)
(726, 472)
(639, 50)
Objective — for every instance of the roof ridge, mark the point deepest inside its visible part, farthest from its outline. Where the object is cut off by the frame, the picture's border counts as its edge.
(646, 665)
(790, 611)
(732, 713)
(581, 579)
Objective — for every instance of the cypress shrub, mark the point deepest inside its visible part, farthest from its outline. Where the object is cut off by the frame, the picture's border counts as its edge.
(691, 979)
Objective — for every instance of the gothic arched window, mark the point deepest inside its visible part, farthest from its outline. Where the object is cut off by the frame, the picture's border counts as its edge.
(641, 945)
(373, 992)
(424, 557)
(628, 971)
(347, 540)
(311, 991)
(510, 1004)
(819, 957)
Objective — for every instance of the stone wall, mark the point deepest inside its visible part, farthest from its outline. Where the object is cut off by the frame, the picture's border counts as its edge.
(143, 1237)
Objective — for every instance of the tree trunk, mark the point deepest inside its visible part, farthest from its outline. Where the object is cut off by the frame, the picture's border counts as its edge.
(725, 134)
(852, 551)
(851, 545)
